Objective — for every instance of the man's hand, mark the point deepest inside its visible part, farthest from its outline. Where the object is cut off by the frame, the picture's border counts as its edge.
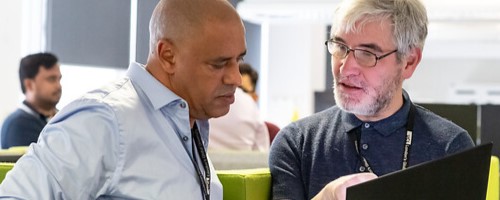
(336, 190)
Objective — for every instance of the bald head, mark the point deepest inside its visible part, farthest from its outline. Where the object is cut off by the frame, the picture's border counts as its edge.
(178, 20)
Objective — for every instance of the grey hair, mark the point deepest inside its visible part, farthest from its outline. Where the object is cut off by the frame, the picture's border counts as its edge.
(408, 17)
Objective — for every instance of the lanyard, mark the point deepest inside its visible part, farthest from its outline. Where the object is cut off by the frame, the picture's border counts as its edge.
(408, 141)
(205, 181)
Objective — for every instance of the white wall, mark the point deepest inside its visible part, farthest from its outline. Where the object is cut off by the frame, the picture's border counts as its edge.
(10, 52)
(77, 80)
(459, 55)
(292, 68)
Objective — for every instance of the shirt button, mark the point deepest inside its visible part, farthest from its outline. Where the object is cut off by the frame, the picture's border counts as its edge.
(367, 125)
(365, 146)
(185, 138)
(362, 168)
(183, 105)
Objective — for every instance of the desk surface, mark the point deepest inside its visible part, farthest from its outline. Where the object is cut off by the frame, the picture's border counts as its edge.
(9, 158)
(11, 155)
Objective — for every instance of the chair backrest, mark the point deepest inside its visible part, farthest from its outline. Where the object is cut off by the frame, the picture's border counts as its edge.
(273, 130)
(463, 115)
(490, 125)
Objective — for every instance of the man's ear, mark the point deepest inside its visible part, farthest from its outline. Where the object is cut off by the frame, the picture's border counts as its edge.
(29, 84)
(412, 60)
(166, 55)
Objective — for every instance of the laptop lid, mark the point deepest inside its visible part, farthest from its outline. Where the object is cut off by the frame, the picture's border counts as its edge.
(463, 175)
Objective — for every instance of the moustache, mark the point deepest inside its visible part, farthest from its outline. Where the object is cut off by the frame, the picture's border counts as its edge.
(349, 81)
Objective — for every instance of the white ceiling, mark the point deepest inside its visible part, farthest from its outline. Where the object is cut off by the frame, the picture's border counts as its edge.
(321, 11)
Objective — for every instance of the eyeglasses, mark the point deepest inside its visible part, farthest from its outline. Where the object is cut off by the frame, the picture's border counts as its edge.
(363, 57)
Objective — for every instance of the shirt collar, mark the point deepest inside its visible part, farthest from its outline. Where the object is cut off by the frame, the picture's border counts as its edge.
(26, 106)
(156, 92)
(385, 126)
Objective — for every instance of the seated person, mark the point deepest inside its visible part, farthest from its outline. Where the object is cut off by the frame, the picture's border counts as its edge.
(241, 128)
(40, 77)
(249, 78)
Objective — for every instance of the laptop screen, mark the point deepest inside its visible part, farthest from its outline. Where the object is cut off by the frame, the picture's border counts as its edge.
(463, 175)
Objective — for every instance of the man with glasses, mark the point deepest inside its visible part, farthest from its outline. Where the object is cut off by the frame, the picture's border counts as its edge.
(374, 129)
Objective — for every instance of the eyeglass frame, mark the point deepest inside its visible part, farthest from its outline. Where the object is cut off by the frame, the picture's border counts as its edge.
(377, 58)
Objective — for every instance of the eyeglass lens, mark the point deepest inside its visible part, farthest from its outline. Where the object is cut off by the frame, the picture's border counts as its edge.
(340, 51)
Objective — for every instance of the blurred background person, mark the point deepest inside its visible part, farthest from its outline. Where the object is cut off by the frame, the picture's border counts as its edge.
(242, 128)
(40, 77)
(249, 78)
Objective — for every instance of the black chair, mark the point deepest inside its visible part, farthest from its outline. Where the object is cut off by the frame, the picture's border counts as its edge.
(490, 126)
(463, 115)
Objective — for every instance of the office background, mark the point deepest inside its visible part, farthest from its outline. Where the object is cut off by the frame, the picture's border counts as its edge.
(95, 40)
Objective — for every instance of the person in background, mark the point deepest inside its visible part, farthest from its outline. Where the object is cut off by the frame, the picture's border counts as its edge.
(144, 136)
(249, 78)
(374, 129)
(242, 129)
(40, 79)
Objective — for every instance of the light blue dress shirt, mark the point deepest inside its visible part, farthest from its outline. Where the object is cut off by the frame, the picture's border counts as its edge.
(128, 140)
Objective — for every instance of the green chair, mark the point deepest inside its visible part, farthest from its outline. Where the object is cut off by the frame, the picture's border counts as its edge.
(246, 184)
(4, 168)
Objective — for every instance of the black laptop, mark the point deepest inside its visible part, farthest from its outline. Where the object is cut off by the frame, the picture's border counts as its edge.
(462, 175)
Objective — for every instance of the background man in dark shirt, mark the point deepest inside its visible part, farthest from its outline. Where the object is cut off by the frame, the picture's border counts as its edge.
(40, 77)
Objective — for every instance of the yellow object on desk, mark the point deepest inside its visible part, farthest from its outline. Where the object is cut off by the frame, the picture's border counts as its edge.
(493, 181)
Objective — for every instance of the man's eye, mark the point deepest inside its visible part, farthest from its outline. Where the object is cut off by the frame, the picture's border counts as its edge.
(365, 54)
(218, 65)
(341, 47)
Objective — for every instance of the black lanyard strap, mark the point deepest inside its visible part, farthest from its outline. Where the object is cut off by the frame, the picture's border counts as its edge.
(407, 145)
(409, 136)
(204, 181)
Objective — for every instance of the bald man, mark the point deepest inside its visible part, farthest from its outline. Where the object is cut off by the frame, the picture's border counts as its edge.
(144, 136)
